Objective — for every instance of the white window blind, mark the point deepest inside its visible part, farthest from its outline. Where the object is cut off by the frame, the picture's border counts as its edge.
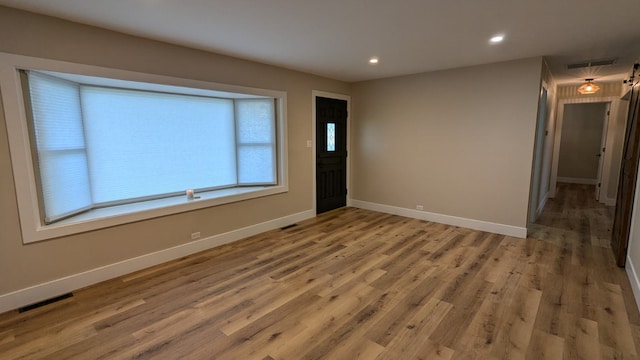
(59, 135)
(103, 146)
(144, 143)
(256, 141)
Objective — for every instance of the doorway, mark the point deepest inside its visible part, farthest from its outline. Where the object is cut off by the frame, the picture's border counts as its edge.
(582, 145)
(609, 159)
(331, 153)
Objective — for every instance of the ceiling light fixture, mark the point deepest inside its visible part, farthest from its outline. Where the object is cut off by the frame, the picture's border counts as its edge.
(373, 60)
(589, 87)
(496, 39)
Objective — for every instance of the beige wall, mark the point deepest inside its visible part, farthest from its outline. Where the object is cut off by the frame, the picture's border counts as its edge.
(459, 142)
(581, 138)
(33, 35)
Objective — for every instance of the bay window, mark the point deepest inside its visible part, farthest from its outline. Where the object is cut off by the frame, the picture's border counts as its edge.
(102, 149)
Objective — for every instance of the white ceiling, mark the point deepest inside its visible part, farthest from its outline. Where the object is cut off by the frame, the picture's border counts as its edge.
(335, 38)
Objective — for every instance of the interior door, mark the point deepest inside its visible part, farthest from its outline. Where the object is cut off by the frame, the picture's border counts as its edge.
(627, 182)
(331, 154)
(600, 154)
(541, 126)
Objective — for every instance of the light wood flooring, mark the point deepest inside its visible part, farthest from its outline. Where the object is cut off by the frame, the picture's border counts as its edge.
(356, 284)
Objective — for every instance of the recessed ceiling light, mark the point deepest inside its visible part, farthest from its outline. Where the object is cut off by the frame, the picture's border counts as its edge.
(496, 39)
(373, 60)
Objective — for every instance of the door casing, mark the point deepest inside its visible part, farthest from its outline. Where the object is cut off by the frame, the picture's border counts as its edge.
(536, 173)
(603, 145)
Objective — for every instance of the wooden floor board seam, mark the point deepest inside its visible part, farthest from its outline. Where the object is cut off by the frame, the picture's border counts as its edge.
(357, 284)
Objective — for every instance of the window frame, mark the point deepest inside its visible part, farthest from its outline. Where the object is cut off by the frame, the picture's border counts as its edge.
(21, 150)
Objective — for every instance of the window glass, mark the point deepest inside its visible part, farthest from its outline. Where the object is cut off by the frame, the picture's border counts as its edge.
(331, 137)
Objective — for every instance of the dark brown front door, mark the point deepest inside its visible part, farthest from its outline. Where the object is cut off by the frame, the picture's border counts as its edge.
(331, 154)
(627, 182)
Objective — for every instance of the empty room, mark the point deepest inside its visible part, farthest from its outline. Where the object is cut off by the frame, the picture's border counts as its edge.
(333, 180)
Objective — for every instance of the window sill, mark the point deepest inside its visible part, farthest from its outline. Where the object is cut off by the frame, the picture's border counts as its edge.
(123, 214)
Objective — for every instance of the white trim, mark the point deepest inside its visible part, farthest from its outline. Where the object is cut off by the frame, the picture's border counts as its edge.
(73, 282)
(633, 280)
(538, 153)
(542, 205)
(582, 181)
(603, 145)
(330, 95)
(520, 232)
(31, 223)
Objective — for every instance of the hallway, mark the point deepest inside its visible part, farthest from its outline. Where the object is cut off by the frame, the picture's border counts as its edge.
(590, 289)
(576, 217)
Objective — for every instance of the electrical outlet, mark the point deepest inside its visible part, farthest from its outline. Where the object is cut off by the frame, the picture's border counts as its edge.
(419, 207)
(195, 235)
(309, 143)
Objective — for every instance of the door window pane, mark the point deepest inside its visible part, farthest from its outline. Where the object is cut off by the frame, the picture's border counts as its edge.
(331, 137)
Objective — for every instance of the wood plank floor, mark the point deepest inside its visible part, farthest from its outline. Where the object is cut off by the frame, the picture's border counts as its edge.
(356, 284)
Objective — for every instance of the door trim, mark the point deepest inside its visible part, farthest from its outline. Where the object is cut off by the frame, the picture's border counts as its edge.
(315, 94)
(542, 121)
(603, 144)
(607, 162)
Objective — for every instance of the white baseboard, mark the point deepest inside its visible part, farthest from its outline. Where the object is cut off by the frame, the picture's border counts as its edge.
(66, 284)
(582, 181)
(633, 279)
(502, 229)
